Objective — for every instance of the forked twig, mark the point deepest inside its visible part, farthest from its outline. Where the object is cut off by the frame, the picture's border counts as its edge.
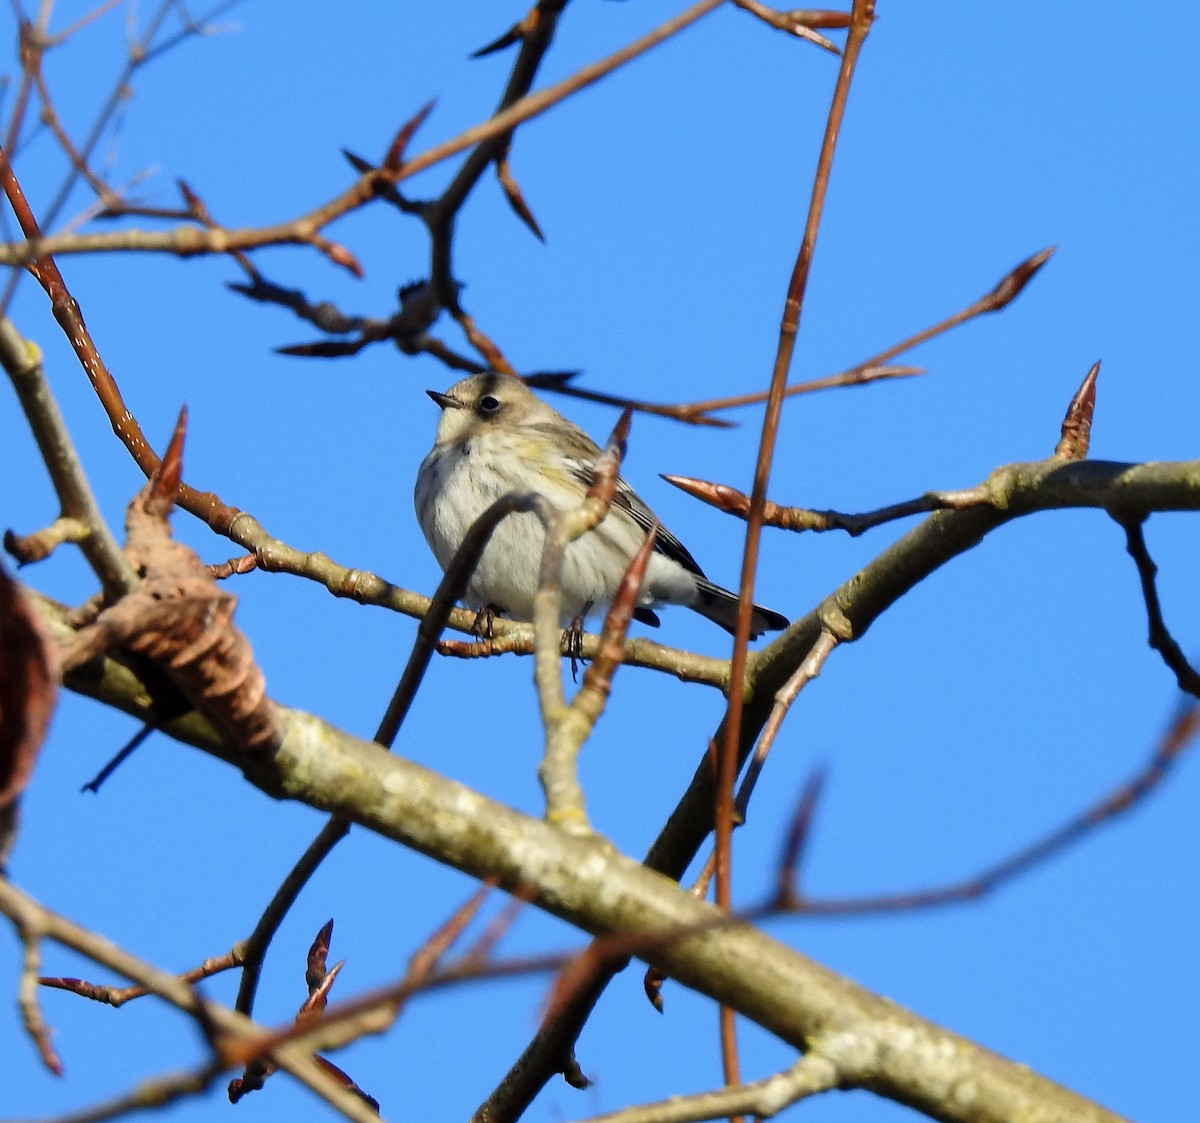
(1004, 293)
(118, 996)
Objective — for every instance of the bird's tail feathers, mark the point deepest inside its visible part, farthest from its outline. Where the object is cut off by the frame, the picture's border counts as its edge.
(721, 606)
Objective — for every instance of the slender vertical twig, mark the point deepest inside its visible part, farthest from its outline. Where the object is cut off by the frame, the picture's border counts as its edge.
(861, 17)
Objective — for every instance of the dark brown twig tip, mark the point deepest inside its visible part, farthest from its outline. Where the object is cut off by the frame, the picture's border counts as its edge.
(1077, 424)
(194, 204)
(322, 350)
(574, 1075)
(652, 983)
(1183, 730)
(1159, 637)
(549, 379)
(799, 833)
(357, 162)
(395, 156)
(513, 35)
(1011, 285)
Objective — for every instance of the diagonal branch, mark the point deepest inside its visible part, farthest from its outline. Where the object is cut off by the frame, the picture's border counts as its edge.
(870, 1041)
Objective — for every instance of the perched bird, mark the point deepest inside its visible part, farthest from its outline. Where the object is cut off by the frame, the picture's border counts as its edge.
(495, 436)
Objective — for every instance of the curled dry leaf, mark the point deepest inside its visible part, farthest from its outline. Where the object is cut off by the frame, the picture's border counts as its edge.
(181, 620)
(29, 674)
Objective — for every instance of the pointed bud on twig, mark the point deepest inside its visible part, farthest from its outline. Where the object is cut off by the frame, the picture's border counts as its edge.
(1011, 285)
(194, 204)
(547, 379)
(515, 199)
(331, 349)
(358, 163)
(338, 254)
(513, 35)
(797, 22)
(721, 496)
(789, 894)
(164, 482)
(395, 155)
(1077, 424)
(318, 954)
(618, 439)
(604, 479)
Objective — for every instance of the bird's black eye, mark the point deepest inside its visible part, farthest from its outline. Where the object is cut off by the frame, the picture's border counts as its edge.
(489, 405)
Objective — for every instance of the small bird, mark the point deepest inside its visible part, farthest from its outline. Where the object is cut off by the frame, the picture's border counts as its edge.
(495, 436)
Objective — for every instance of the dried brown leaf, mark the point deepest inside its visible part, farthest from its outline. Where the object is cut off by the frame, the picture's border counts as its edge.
(29, 675)
(182, 621)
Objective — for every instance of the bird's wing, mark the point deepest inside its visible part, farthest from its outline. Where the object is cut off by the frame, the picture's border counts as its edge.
(626, 498)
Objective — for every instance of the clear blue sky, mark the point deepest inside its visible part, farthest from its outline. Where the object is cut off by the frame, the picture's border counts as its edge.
(1004, 694)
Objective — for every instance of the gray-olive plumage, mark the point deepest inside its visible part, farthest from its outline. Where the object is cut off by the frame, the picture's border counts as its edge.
(495, 437)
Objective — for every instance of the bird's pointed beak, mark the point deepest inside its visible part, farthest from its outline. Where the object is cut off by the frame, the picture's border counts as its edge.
(444, 401)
